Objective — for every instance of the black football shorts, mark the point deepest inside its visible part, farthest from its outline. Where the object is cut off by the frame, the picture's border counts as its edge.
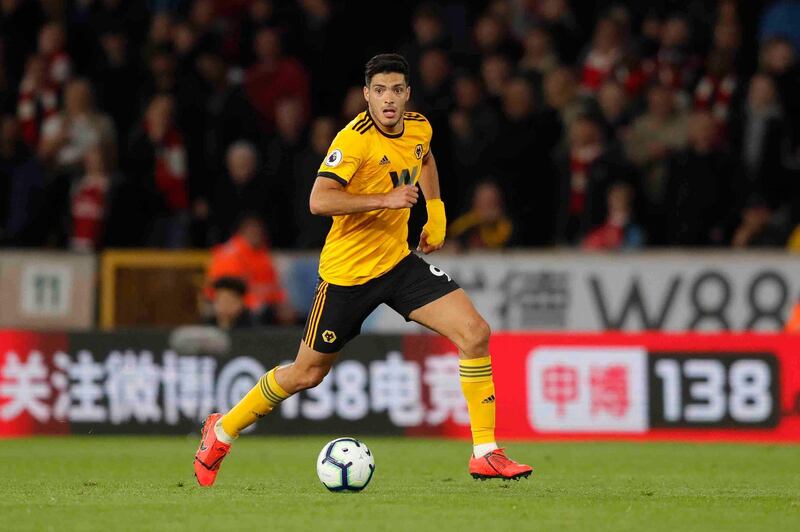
(339, 311)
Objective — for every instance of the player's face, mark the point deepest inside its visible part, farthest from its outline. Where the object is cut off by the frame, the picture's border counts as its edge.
(386, 96)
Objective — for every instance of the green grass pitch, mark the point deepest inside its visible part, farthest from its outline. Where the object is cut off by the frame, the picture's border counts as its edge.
(146, 483)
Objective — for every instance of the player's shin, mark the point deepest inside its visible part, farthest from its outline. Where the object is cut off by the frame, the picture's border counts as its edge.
(478, 388)
(260, 401)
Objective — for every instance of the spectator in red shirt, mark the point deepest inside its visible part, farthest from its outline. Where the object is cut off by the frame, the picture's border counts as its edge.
(585, 147)
(38, 100)
(88, 202)
(157, 159)
(715, 90)
(274, 77)
(604, 56)
(588, 167)
(619, 230)
(718, 86)
(247, 256)
(51, 47)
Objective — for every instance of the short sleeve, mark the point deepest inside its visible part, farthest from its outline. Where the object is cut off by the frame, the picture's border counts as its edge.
(344, 157)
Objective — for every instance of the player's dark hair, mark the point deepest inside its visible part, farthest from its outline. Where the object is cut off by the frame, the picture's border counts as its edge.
(386, 64)
(234, 284)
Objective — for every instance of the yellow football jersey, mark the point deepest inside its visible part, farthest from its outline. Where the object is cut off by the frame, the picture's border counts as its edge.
(366, 160)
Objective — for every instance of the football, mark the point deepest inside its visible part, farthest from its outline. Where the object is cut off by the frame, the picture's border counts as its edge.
(345, 464)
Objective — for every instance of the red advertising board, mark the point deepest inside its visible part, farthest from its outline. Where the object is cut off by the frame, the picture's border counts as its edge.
(26, 359)
(695, 387)
(721, 387)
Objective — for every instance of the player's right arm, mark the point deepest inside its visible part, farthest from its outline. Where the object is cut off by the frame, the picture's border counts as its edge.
(329, 196)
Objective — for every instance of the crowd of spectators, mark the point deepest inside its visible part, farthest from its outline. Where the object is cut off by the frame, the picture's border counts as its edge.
(601, 125)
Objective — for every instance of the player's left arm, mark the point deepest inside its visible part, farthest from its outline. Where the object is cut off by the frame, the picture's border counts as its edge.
(432, 237)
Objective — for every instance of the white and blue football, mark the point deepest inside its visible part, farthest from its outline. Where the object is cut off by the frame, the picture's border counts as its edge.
(345, 464)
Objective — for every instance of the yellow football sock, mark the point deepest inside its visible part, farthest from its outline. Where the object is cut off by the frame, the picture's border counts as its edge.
(478, 388)
(265, 395)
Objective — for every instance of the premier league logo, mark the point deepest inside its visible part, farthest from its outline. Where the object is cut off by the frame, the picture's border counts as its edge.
(334, 158)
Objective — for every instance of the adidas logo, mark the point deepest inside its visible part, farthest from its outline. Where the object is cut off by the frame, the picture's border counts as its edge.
(488, 400)
(385, 160)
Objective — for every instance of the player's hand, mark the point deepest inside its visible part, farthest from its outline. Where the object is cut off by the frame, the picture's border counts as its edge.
(402, 197)
(425, 247)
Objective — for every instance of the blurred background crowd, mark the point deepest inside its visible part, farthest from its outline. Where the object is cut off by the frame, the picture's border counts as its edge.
(601, 125)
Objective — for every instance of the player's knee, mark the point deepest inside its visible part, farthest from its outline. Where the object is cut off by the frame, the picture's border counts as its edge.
(311, 377)
(475, 336)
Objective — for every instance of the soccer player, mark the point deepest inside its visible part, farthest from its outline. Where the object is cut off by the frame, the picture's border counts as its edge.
(368, 182)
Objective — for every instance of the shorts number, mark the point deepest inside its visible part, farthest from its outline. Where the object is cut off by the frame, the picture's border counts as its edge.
(439, 273)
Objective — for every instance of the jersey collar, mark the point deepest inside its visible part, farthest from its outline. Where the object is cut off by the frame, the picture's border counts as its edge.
(385, 134)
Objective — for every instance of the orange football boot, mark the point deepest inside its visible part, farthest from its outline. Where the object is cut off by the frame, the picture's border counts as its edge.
(210, 453)
(496, 464)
